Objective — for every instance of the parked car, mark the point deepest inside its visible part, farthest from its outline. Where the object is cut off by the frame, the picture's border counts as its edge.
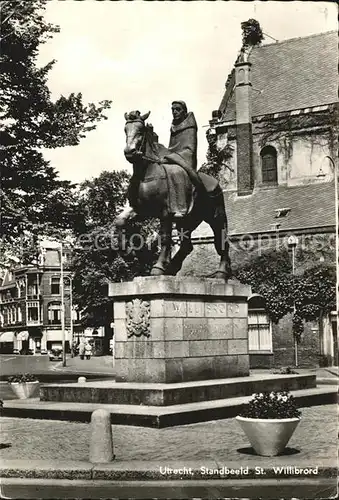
(55, 355)
(43, 351)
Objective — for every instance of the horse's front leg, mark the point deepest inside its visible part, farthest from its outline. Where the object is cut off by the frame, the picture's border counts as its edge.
(185, 248)
(124, 217)
(164, 258)
(120, 223)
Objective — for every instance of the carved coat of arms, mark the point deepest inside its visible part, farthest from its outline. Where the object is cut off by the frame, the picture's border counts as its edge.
(138, 318)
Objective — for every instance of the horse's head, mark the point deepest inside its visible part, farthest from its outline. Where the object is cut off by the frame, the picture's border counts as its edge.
(135, 134)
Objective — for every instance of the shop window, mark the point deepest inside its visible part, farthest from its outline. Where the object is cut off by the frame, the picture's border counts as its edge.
(269, 165)
(259, 326)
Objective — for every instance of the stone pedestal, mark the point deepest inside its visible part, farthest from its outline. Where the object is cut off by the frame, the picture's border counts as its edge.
(170, 329)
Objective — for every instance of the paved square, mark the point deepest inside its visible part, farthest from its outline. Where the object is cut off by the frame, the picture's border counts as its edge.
(315, 441)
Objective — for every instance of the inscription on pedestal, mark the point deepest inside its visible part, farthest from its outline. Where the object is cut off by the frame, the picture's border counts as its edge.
(237, 310)
(175, 308)
(138, 318)
(215, 309)
(195, 309)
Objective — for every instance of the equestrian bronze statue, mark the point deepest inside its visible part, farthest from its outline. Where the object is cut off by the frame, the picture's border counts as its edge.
(165, 185)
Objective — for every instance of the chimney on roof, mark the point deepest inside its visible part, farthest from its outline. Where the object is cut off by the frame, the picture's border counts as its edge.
(244, 125)
(216, 114)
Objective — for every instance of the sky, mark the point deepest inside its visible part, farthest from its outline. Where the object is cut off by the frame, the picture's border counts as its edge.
(143, 55)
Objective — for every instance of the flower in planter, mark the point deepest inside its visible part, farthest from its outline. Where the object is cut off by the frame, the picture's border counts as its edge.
(22, 378)
(272, 405)
(24, 385)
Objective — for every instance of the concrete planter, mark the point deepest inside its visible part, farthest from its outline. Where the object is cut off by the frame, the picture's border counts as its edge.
(25, 390)
(268, 437)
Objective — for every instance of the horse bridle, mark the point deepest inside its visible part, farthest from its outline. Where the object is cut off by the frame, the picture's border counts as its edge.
(139, 151)
(142, 155)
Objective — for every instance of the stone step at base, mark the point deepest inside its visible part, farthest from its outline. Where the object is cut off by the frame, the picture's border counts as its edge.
(156, 416)
(149, 394)
(174, 489)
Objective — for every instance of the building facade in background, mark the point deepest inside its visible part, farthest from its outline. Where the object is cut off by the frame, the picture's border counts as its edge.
(278, 115)
(31, 307)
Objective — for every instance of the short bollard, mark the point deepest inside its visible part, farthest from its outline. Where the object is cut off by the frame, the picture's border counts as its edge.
(101, 445)
(81, 380)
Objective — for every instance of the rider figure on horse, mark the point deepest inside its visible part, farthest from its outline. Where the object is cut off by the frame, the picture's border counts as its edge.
(160, 188)
(182, 148)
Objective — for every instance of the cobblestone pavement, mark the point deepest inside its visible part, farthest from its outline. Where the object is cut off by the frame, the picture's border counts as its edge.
(315, 439)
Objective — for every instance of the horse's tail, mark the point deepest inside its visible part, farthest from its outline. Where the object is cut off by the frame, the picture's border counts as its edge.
(216, 203)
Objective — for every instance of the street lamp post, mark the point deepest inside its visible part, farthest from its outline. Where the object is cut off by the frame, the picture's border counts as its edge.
(71, 313)
(336, 205)
(336, 202)
(71, 310)
(335, 171)
(62, 306)
(113, 344)
(292, 244)
(60, 246)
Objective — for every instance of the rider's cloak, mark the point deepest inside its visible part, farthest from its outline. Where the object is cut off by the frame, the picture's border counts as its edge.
(182, 151)
(183, 143)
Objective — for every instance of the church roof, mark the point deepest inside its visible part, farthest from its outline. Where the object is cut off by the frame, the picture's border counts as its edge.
(293, 74)
(311, 206)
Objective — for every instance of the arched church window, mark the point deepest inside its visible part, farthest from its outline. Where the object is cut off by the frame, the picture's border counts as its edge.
(269, 165)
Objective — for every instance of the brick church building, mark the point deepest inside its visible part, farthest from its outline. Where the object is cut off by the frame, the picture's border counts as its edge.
(278, 117)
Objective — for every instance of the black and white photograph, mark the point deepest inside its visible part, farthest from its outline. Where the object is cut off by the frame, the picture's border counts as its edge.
(169, 267)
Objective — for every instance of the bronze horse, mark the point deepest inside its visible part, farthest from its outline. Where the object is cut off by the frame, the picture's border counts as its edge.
(149, 197)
